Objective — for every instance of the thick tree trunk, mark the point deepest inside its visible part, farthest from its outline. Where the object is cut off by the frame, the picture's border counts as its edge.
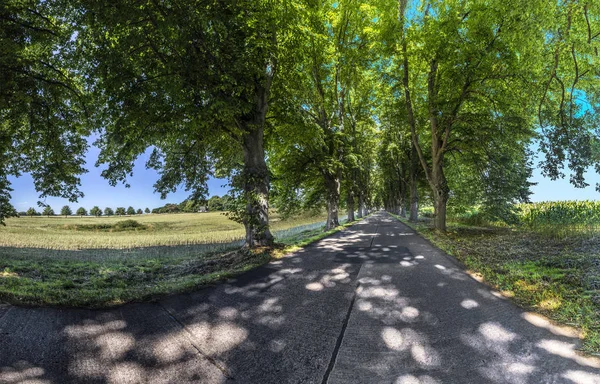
(255, 175)
(332, 183)
(350, 204)
(256, 183)
(414, 203)
(441, 193)
(256, 189)
(440, 214)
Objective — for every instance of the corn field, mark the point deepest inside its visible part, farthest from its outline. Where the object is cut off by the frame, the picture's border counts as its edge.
(561, 216)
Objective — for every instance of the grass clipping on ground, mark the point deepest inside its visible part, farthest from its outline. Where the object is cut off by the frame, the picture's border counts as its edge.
(104, 283)
(559, 278)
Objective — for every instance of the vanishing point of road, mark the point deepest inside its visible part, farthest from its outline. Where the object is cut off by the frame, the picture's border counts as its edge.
(375, 303)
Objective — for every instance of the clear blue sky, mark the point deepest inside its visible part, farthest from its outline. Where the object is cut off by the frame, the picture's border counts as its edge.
(98, 192)
(141, 194)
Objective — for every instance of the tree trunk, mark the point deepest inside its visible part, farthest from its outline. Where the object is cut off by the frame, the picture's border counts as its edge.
(414, 193)
(361, 206)
(350, 203)
(414, 203)
(256, 188)
(441, 193)
(332, 183)
(440, 214)
(255, 172)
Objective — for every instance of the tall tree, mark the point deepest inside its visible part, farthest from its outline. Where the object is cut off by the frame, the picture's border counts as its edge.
(319, 114)
(108, 211)
(192, 80)
(40, 102)
(66, 211)
(459, 63)
(96, 211)
(48, 211)
(81, 212)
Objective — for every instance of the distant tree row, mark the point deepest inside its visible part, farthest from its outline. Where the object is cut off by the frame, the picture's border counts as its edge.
(215, 203)
(81, 211)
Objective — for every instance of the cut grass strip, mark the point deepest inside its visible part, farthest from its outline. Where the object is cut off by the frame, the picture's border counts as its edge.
(69, 282)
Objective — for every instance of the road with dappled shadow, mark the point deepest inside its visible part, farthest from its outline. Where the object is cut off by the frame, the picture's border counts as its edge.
(373, 304)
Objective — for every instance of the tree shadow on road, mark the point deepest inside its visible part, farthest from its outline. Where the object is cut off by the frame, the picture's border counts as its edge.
(358, 307)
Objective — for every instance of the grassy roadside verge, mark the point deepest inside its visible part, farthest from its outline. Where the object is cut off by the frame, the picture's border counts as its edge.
(559, 278)
(97, 284)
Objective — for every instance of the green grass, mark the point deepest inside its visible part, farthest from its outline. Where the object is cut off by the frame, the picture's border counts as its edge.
(556, 276)
(108, 277)
(76, 233)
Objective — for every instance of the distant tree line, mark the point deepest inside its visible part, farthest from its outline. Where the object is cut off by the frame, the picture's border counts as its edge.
(81, 211)
(215, 203)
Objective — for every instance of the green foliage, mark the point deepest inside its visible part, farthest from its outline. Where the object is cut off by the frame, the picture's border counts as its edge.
(108, 211)
(120, 211)
(96, 211)
(325, 125)
(344, 95)
(139, 212)
(567, 108)
(189, 206)
(167, 208)
(215, 204)
(66, 211)
(81, 211)
(32, 212)
(147, 210)
(41, 102)
(197, 114)
(561, 217)
(129, 224)
(48, 211)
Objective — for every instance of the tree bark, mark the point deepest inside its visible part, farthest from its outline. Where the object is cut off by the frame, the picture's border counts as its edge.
(256, 189)
(332, 183)
(440, 213)
(441, 192)
(414, 203)
(413, 177)
(350, 204)
(255, 172)
(361, 206)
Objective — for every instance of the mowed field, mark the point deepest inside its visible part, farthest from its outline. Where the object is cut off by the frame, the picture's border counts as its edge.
(75, 233)
(106, 261)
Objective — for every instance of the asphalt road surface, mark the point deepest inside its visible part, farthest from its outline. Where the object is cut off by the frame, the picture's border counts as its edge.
(375, 303)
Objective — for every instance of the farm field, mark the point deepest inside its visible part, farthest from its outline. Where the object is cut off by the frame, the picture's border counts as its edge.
(561, 218)
(75, 233)
(98, 262)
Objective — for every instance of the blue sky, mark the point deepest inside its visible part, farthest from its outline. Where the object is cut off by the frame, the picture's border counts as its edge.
(98, 192)
(141, 194)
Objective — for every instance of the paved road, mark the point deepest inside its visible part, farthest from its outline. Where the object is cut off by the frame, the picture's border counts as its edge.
(374, 304)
